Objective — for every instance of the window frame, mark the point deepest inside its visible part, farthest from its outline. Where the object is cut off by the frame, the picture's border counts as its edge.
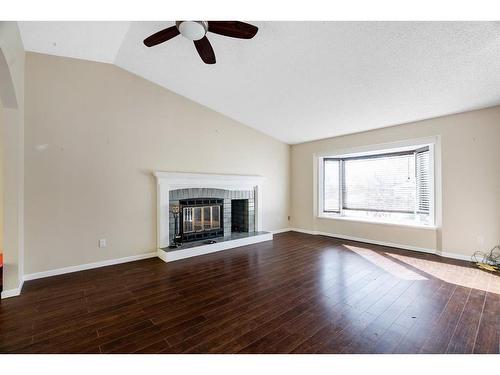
(401, 148)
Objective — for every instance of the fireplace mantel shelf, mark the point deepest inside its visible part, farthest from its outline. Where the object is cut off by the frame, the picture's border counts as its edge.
(179, 180)
(167, 181)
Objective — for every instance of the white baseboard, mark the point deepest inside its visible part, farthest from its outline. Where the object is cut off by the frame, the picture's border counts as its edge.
(381, 243)
(170, 256)
(13, 292)
(87, 266)
(281, 230)
(389, 244)
(455, 256)
(300, 230)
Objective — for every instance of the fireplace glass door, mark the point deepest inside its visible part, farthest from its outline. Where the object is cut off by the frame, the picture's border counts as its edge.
(203, 218)
(207, 218)
(215, 217)
(198, 219)
(188, 220)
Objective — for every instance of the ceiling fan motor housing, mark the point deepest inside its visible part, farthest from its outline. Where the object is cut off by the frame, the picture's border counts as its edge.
(192, 30)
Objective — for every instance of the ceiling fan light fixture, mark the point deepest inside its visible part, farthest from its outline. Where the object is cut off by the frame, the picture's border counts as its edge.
(196, 31)
(192, 30)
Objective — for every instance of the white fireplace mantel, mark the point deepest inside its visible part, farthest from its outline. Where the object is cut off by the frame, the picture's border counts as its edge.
(167, 181)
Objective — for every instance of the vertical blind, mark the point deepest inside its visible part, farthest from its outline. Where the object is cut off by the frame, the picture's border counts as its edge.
(392, 182)
(422, 163)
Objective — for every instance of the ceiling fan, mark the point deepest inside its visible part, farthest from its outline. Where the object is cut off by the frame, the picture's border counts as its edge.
(197, 30)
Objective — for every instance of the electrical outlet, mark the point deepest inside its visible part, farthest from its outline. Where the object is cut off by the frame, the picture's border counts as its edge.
(102, 242)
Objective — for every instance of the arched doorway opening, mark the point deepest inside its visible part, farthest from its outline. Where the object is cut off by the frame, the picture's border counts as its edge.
(12, 57)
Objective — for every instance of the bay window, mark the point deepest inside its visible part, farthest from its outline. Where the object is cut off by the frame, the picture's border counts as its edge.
(393, 186)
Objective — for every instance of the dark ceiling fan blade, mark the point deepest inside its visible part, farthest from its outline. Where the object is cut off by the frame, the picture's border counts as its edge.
(234, 29)
(161, 36)
(205, 50)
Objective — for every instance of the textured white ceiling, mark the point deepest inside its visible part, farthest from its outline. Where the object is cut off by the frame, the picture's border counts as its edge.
(299, 81)
(89, 40)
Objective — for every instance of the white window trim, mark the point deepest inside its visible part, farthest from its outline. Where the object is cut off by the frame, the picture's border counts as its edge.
(434, 156)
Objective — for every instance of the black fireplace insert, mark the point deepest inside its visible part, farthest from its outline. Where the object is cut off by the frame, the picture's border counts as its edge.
(201, 218)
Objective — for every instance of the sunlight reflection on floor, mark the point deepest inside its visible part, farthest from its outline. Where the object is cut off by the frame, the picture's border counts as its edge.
(386, 264)
(464, 276)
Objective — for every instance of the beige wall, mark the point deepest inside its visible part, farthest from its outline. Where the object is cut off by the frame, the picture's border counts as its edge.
(106, 131)
(12, 137)
(470, 163)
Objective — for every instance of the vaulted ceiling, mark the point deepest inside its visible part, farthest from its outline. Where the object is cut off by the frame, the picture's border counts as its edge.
(300, 81)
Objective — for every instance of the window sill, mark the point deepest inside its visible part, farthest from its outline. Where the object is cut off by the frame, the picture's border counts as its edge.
(360, 220)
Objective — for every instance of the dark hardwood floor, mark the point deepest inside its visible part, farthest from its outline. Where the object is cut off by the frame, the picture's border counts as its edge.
(296, 294)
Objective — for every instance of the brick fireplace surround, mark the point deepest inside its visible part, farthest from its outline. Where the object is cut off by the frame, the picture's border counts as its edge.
(231, 198)
(175, 186)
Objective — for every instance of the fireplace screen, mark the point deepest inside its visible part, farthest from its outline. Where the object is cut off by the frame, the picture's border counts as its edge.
(197, 219)
(201, 218)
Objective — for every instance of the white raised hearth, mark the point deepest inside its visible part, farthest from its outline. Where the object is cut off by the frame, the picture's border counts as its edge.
(168, 182)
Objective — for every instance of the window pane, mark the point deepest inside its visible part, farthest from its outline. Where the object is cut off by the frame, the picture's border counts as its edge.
(331, 187)
(384, 183)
